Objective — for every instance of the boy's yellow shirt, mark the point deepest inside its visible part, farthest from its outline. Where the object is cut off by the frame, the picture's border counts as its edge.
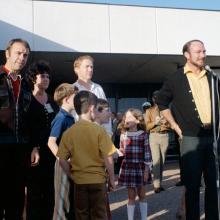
(86, 143)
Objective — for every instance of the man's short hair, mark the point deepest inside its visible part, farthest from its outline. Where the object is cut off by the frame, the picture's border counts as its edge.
(79, 60)
(83, 100)
(64, 90)
(186, 46)
(101, 104)
(18, 40)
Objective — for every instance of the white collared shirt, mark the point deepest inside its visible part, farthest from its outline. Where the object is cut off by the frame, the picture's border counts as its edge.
(95, 88)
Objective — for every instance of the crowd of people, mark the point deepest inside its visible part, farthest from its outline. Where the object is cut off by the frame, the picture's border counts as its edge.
(62, 147)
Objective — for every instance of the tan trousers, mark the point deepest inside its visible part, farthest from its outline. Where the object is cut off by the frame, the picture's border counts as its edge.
(158, 145)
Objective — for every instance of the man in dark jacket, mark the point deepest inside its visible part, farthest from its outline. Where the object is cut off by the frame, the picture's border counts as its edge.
(189, 91)
(15, 97)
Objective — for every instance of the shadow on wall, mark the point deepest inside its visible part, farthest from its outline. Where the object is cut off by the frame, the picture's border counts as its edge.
(36, 42)
(41, 48)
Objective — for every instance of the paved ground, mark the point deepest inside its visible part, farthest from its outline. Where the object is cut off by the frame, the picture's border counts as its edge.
(161, 206)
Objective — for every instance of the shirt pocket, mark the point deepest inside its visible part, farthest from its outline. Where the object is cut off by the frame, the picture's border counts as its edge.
(26, 101)
(4, 98)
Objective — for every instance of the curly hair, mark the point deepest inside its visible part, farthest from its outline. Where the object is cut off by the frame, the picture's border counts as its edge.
(138, 115)
(38, 67)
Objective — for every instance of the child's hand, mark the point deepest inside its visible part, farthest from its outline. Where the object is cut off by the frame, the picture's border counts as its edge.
(111, 185)
(69, 162)
(146, 174)
(122, 150)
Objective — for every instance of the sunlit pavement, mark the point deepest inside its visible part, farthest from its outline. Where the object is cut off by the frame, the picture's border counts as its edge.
(161, 206)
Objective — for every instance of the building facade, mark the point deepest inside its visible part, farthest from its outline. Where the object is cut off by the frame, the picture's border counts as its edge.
(136, 45)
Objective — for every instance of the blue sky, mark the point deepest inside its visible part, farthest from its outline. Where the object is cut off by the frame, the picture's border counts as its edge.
(188, 4)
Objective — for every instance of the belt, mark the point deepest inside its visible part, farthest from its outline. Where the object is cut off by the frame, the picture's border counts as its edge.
(207, 126)
(159, 132)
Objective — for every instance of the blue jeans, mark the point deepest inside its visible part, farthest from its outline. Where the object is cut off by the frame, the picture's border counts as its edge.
(197, 158)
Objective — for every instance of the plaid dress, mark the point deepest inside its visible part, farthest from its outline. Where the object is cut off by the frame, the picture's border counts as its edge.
(137, 155)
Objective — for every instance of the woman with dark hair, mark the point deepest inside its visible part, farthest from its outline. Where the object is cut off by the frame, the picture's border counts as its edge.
(40, 190)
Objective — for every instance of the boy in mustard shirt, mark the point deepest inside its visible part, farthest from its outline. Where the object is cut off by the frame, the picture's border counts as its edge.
(90, 150)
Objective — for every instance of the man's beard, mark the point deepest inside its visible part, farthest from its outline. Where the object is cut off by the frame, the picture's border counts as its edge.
(200, 65)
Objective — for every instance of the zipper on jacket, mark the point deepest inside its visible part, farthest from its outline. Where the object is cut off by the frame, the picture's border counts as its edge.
(17, 109)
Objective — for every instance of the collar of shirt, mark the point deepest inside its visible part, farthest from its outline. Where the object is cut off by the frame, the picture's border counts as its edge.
(134, 133)
(81, 87)
(6, 70)
(13, 76)
(187, 70)
(65, 113)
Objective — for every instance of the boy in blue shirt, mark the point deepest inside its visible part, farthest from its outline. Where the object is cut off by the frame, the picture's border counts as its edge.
(63, 95)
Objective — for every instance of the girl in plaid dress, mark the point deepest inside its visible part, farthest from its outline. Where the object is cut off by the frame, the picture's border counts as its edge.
(135, 167)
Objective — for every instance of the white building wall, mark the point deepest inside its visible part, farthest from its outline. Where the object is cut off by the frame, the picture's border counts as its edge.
(16, 20)
(175, 27)
(132, 30)
(62, 26)
(78, 27)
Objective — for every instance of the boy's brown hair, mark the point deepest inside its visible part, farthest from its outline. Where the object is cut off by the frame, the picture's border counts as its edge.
(101, 104)
(64, 90)
(83, 100)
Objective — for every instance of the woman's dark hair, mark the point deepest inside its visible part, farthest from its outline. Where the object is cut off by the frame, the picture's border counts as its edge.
(36, 68)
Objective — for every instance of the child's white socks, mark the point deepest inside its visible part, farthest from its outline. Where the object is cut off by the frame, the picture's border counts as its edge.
(143, 209)
(130, 211)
